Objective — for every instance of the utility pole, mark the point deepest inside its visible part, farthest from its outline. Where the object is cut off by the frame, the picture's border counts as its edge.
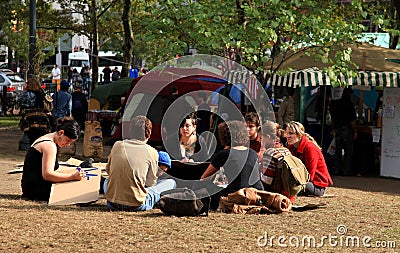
(32, 37)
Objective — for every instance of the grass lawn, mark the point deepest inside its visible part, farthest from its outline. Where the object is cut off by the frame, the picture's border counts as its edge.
(361, 214)
(9, 121)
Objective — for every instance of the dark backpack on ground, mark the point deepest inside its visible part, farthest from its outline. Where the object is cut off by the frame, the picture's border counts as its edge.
(185, 202)
(294, 175)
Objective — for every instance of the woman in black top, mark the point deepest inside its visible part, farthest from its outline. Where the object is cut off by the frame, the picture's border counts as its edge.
(40, 164)
(187, 146)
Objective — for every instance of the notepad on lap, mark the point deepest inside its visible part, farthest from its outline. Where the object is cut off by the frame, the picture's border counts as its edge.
(74, 192)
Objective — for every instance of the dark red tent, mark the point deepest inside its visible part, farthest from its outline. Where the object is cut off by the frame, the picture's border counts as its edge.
(158, 84)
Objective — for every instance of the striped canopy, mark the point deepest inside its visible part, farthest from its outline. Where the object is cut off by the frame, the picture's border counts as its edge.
(238, 77)
(312, 77)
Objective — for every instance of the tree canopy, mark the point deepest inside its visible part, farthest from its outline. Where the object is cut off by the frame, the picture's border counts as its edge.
(259, 34)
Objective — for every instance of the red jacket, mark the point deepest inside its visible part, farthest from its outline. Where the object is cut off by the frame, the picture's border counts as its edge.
(314, 160)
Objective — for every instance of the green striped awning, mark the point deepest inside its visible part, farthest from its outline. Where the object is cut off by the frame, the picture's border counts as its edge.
(238, 77)
(309, 77)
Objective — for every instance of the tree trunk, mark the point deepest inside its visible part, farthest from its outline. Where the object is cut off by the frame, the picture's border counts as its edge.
(394, 40)
(95, 45)
(240, 12)
(128, 38)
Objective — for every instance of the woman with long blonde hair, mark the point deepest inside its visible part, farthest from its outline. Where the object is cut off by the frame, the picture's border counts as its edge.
(303, 146)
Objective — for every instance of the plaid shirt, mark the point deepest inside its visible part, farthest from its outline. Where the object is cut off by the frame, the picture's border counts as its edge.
(271, 170)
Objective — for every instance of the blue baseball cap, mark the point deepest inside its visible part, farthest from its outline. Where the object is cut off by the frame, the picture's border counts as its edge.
(64, 84)
(164, 159)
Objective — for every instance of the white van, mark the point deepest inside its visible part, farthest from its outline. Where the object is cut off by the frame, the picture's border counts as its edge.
(77, 59)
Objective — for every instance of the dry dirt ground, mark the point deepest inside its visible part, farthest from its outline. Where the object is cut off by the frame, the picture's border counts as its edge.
(361, 215)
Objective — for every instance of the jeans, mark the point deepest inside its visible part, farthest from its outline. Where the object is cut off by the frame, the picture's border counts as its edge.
(85, 82)
(153, 194)
(314, 190)
(344, 140)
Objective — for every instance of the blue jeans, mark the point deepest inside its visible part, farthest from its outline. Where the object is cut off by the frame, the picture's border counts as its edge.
(314, 190)
(153, 195)
(85, 82)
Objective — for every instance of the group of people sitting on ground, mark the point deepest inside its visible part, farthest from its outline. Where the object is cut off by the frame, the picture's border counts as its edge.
(135, 170)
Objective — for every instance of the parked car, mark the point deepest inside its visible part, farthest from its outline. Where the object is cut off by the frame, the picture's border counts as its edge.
(7, 71)
(48, 86)
(14, 83)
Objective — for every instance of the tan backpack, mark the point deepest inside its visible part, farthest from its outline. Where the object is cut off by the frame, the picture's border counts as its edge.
(294, 175)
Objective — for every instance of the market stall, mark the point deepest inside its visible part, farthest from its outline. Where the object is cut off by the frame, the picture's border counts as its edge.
(369, 136)
(379, 70)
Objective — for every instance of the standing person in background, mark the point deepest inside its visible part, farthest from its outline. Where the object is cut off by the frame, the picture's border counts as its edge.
(169, 124)
(56, 76)
(133, 72)
(79, 105)
(116, 74)
(62, 101)
(76, 77)
(203, 113)
(33, 96)
(35, 120)
(70, 74)
(107, 74)
(344, 129)
(304, 147)
(378, 105)
(144, 71)
(85, 74)
(286, 112)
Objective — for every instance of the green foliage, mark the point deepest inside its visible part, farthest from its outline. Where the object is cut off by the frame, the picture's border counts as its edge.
(263, 33)
(13, 23)
(9, 121)
(386, 14)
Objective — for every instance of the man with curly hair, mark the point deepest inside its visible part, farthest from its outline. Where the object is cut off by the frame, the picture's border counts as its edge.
(239, 162)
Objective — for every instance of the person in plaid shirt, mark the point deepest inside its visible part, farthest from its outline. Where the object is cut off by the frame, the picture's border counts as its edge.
(272, 159)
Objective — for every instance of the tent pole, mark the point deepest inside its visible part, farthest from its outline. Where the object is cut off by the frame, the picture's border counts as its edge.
(301, 108)
(323, 118)
(217, 120)
(361, 99)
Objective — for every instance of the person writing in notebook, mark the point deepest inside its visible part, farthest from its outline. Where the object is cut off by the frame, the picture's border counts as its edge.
(41, 164)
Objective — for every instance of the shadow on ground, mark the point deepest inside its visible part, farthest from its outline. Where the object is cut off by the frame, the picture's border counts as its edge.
(371, 184)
